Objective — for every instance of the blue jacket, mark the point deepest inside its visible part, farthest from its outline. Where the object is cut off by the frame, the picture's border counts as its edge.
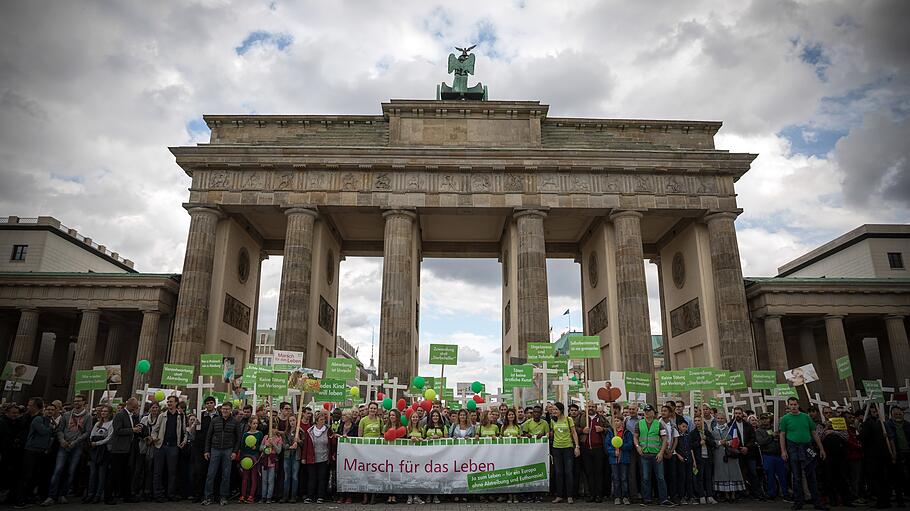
(40, 435)
(625, 452)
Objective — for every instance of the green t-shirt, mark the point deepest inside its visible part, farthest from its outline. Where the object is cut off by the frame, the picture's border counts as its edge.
(416, 432)
(441, 432)
(491, 430)
(562, 432)
(371, 427)
(797, 428)
(536, 428)
(512, 430)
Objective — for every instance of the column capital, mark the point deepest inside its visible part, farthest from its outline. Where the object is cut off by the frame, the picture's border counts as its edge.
(297, 210)
(28, 309)
(149, 312)
(625, 213)
(655, 260)
(834, 316)
(773, 316)
(720, 215)
(520, 212)
(200, 209)
(90, 310)
(894, 317)
(410, 213)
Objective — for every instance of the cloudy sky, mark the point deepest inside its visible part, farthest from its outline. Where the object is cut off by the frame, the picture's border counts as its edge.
(93, 93)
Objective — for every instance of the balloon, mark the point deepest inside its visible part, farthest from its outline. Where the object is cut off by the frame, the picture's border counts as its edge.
(404, 420)
(402, 404)
(237, 403)
(477, 398)
(250, 441)
(472, 405)
(414, 406)
(389, 435)
(418, 382)
(355, 391)
(268, 450)
(409, 412)
(476, 387)
(159, 395)
(327, 406)
(380, 396)
(617, 442)
(143, 366)
(575, 379)
(402, 431)
(246, 463)
(429, 394)
(426, 405)
(387, 403)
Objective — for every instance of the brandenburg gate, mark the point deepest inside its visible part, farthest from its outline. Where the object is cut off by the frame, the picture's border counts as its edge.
(465, 178)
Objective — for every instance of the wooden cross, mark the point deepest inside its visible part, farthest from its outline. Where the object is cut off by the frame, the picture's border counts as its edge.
(200, 387)
(370, 384)
(663, 398)
(776, 399)
(500, 397)
(755, 404)
(544, 371)
(292, 394)
(393, 384)
(860, 399)
(564, 383)
(463, 398)
(818, 402)
(723, 395)
(145, 393)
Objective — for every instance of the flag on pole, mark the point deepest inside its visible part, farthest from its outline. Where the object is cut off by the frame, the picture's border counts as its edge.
(566, 312)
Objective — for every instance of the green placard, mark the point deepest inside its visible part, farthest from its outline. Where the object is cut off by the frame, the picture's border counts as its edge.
(269, 383)
(721, 378)
(339, 368)
(844, 369)
(584, 346)
(520, 376)
(716, 402)
(504, 477)
(784, 390)
(764, 380)
(332, 391)
(638, 382)
(220, 397)
(697, 397)
(700, 378)
(671, 381)
(91, 379)
(446, 354)
(210, 364)
(736, 380)
(560, 364)
(540, 351)
(874, 390)
(448, 395)
(176, 374)
(250, 372)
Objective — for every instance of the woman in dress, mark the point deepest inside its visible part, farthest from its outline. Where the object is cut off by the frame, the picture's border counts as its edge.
(728, 478)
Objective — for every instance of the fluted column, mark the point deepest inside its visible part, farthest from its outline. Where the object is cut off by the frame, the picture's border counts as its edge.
(665, 333)
(112, 344)
(292, 329)
(85, 345)
(27, 331)
(837, 347)
(632, 294)
(761, 343)
(775, 343)
(191, 316)
(900, 349)
(734, 331)
(396, 345)
(533, 301)
(148, 336)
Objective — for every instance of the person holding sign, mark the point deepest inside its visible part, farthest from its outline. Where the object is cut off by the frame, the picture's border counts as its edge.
(565, 449)
(797, 436)
(370, 427)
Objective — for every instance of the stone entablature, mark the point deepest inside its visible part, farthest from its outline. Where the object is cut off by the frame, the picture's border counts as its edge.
(127, 291)
(781, 296)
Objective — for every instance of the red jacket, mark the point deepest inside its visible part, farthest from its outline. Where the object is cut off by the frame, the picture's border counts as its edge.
(594, 439)
(306, 451)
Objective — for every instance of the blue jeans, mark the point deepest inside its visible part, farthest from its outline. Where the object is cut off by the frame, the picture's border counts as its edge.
(291, 473)
(648, 464)
(166, 459)
(564, 470)
(704, 481)
(219, 459)
(800, 461)
(620, 480)
(97, 472)
(64, 471)
(776, 472)
(268, 482)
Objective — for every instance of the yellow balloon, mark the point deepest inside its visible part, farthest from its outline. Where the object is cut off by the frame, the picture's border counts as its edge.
(429, 394)
(355, 391)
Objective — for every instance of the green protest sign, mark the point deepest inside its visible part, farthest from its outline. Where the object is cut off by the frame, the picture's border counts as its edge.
(339, 368)
(91, 379)
(429, 382)
(504, 477)
(520, 376)
(784, 390)
(671, 381)
(210, 364)
(638, 382)
(721, 378)
(269, 383)
(332, 391)
(448, 395)
(844, 369)
(874, 390)
(445, 354)
(220, 397)
(764, 380)
(176, 374)
(700, 378)
(560, 364)
(584, 346)
(250, 373)
(697, 397)
(736, 380)
(540, 351)
(715, 402)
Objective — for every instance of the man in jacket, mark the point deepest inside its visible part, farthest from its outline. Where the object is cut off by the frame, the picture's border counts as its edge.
(198, 433)
(124, 428)
(899, 432)
(775, 469)
(169, 434)
(222, 445)
(74, 428)
(37, 445)
(748, 450)
(591, 438)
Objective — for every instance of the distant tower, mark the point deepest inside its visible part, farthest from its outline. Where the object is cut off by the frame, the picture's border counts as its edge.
(372, 367)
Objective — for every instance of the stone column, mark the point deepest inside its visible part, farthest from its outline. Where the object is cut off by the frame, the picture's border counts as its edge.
(531, 271)
(735, 335)
(191, 316)
(837, 346)
(776, 344)
(112, 344)
(761, 343)
(148, 336)
(292, 329)
(665, 334)
(632, 294)
(900, 348)
(24, 344)
(85, 345)
(396, 345)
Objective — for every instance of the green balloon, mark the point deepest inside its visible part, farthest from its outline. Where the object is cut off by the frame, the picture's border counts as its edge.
(387, 403)
(404, 420)
(246, 463)
(477, 387)
(575, 379)
(472, 405)
(250, 441)
(419, 382)
(143, 366)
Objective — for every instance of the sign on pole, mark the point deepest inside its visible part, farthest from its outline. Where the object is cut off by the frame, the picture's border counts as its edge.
(91, 379)
(764, 380)
(211, 364)
(540, 351)
(638, 382)
(874, 390)
(332, 391)
(283, 360)
(517, 376)
(20, 373)
(700, 378)
(340, 368)
(270, 383)
(671, 381)
(176, 374)
(736, 380)
(584, 346)
(844, 369)
(445, 354)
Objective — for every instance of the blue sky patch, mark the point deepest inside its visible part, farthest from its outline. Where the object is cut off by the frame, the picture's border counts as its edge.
(485, 38)
(262, 38)
(811, 140)
(814, 55)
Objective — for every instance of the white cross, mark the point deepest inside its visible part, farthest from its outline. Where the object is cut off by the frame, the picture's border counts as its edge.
(564, 383)
(144, 392)
(860, 399)
(818, 402)
(255, 396)
(370, 384)
(663, 398)
(293, 393)
(500, 398)
(395, 387)
(544, 371)
(776, 399)
(692, 394)
(200, 387)
(463, 398)
(723, 396)
(582, 402)
(517, 398)
(755, 404)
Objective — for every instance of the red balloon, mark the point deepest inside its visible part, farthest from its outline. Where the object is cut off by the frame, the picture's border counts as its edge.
(408, 413)
(478, 398)
(390, 435)
(426, 404)
(327, 406)
(402, 404)
(414, 406)
(401, 432)
(379, 396)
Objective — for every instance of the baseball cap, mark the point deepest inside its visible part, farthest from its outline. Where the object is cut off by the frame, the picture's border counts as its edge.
(648, 408)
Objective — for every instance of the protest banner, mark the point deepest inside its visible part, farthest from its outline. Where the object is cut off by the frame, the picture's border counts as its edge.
(211, 364)
(176, 374)
(540, 351)
(764, 380)
(114, 375)
(445, 354)
(844, 369)
(584, 346)
(91, 379)
(19, 373)
(446, 466)
(517, 376)
(286, 361)
(339, 368)
(332, 391)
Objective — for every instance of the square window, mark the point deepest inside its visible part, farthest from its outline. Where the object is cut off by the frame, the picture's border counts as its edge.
(896, 260)
(19, 253)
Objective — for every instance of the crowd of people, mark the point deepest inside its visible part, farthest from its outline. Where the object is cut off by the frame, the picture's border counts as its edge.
(54, 452)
